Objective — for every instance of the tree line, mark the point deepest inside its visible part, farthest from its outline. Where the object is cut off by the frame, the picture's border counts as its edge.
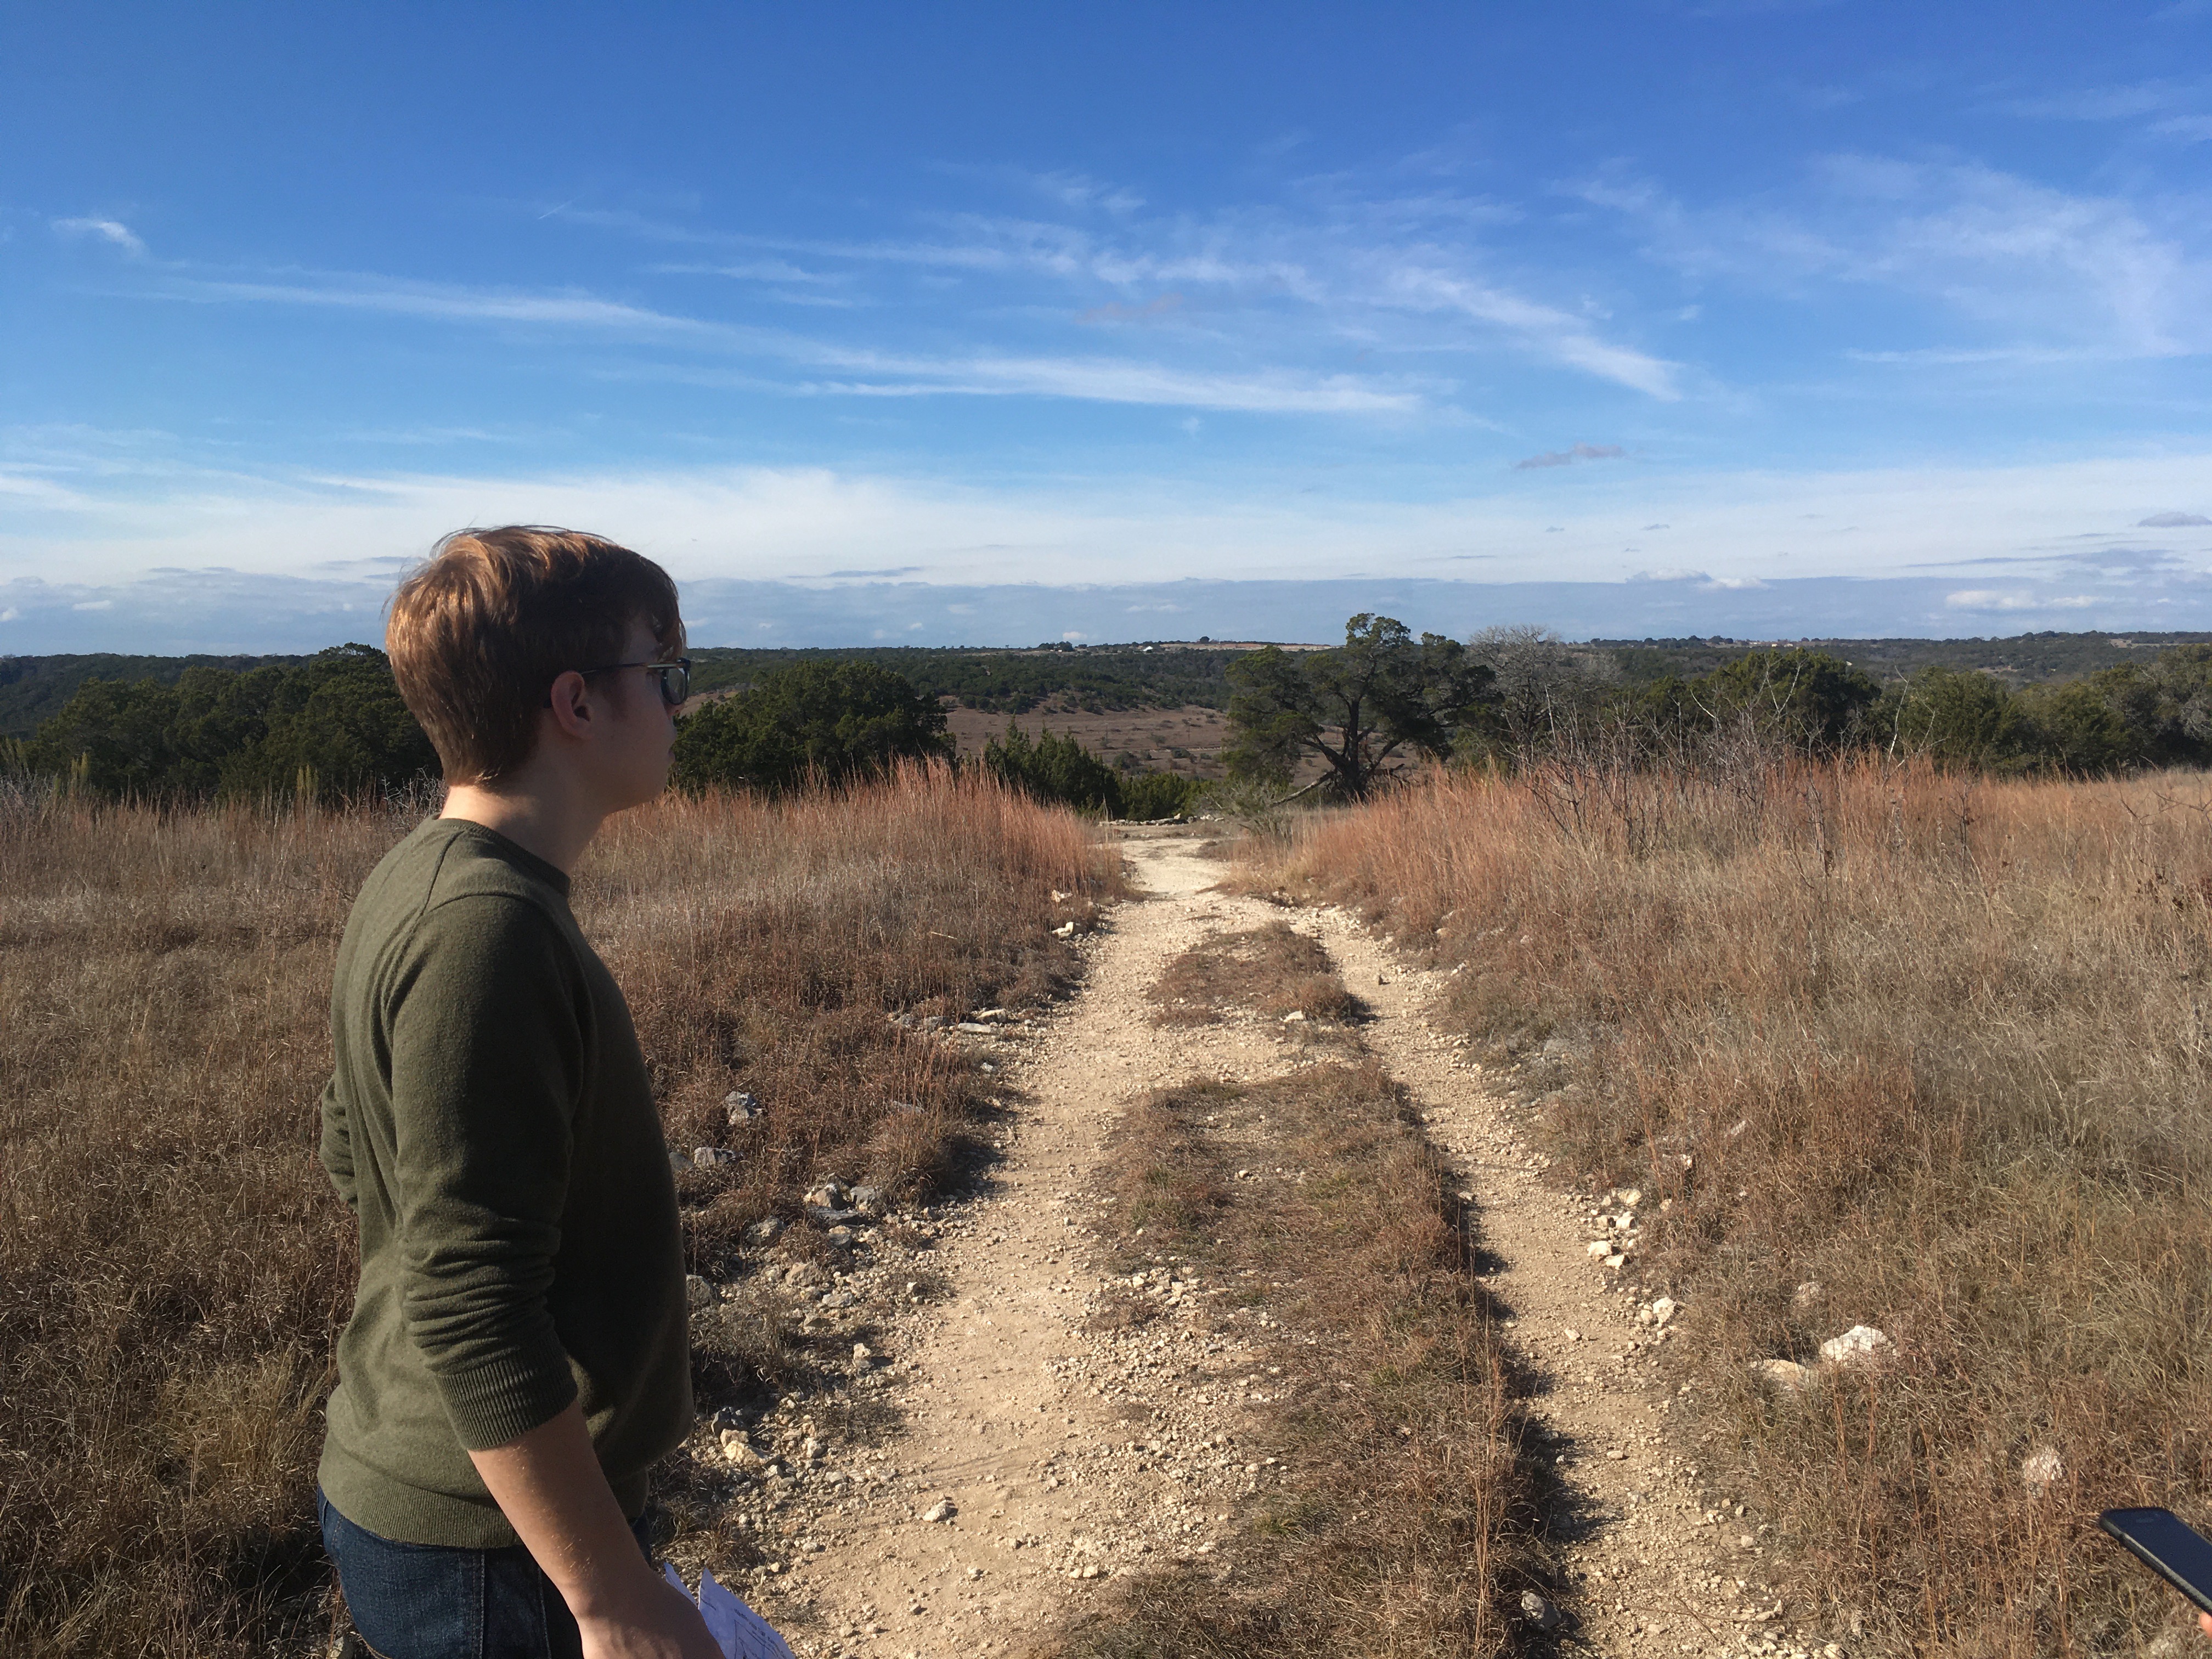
(1385, 701)
(1340, 722)
(334, 728)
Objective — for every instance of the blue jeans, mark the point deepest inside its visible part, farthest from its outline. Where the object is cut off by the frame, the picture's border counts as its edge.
(427, 1601)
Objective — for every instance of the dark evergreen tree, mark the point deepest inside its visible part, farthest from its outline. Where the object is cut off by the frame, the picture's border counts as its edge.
(819, 721)
(1362, 709)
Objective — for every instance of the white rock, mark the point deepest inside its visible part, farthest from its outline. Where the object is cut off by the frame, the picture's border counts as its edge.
(1862, 1344)
(942, 1509)
(1296, 1015)
(1538, 1611)
(1066, 930)
(1599, 1246)
(2041, 1470)
(763, 1231)
(1786, 1375)
(1664, 1309)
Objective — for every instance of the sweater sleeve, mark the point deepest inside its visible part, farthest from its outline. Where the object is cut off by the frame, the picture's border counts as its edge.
(337, 1145)
(488, 1056)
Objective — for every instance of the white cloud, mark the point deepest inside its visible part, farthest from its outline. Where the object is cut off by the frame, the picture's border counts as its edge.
(1985, 599)
(2173, 521)
(880, 373)
(94, 605)
(827, 528)
(1289, 281)
(2055, 275)
(10, 614)
(1542, 328)
(105, 230)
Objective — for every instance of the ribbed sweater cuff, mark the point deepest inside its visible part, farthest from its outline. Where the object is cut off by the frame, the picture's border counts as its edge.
(500, 1401)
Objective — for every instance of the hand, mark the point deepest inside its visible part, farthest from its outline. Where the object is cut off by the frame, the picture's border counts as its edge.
(664, 1624)
(2204, 1622)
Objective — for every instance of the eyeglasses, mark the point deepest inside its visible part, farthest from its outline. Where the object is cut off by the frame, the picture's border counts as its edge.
(675, 677)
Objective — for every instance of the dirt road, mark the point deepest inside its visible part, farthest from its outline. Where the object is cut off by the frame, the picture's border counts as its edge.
(1041, 1451)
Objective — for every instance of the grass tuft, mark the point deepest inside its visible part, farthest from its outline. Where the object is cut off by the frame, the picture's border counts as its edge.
(1405, 1523)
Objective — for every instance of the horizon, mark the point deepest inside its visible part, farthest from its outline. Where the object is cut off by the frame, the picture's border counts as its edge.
(1740, 317)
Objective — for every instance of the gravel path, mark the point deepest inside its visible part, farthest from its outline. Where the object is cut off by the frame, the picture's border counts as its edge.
(1662, 1565)
(1043, 1450)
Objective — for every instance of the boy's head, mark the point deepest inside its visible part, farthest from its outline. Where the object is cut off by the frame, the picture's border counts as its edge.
(481, 630)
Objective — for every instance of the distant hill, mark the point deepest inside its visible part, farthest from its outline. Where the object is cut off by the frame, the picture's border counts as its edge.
(1094, 679)
(2017, 659)
(1100, 679)
(34, 688)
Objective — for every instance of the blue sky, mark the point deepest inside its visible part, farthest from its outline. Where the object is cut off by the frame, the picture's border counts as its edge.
(984, 324)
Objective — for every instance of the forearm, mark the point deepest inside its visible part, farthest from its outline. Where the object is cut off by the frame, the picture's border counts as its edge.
(550, 1487)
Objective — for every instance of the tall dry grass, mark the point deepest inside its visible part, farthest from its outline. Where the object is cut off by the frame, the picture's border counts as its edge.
(1407, 1520)
(1900, 1049)
(173, 1266)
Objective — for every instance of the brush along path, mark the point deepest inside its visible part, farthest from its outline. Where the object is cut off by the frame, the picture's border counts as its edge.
(1655, 1563)
(1046, 1442)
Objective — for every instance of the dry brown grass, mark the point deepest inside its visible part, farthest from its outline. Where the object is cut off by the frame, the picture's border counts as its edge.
(173, 1266)
(1272, 970)
(1935, 1046)
(1404, 1525)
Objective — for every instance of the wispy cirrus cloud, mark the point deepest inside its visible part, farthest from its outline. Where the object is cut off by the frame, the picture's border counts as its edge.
(113, 232)
(837, 367)
(2056, 275)
(1411, 269)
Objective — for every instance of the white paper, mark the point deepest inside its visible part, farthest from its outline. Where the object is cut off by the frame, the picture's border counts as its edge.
(740, 1633)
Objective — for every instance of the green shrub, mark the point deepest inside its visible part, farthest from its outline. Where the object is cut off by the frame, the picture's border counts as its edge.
(1156, 795)
(1055, 768)
(826, 721)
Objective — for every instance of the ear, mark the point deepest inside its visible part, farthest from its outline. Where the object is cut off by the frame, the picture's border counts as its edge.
(570, 701)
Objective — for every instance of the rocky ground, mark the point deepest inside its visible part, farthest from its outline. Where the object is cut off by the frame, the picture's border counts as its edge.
(1007, 1440)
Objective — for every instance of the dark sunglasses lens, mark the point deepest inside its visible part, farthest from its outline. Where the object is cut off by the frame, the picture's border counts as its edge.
(675, 685)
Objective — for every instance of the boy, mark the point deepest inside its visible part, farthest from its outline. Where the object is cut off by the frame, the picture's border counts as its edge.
(518, 1357)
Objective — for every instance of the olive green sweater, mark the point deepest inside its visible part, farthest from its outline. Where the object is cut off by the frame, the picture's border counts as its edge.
(492, 1126)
